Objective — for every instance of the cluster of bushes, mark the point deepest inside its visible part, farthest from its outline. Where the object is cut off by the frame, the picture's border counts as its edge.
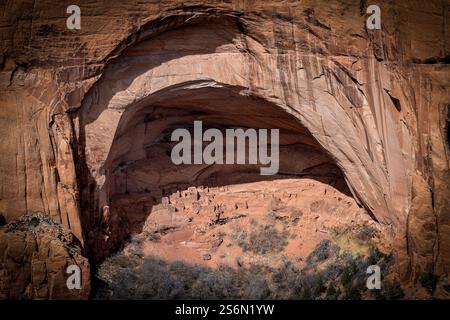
(328, 274)
(429, 280)
(31, 221)
(324, 250)
(157, 279)
(261, 239)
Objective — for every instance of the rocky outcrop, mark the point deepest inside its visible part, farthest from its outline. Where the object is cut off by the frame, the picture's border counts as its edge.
(35, 253)
(372, 104)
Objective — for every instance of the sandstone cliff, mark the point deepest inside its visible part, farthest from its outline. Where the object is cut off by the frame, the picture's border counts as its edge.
(34, 255)
(79, 107)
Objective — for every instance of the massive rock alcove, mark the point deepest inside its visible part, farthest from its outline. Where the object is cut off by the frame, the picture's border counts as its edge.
(138, 171)
(183, 68)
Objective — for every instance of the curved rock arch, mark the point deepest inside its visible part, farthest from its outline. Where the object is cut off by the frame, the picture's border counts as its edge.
(321, 93)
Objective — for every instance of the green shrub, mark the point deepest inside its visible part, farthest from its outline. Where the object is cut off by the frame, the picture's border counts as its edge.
(319, 286)
(320, 253)
(262, 240)
(331, 293)
(306, 293)
(429, 280)
(346, 277)
(352, 293)
(393, 291)
(374, 256)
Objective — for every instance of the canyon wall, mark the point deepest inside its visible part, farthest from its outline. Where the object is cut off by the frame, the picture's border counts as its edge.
(375, 102)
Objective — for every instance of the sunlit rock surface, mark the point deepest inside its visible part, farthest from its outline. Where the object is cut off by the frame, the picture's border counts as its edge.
(85, 113)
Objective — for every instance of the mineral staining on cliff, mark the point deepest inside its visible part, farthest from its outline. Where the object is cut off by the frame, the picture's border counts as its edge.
(362, 114)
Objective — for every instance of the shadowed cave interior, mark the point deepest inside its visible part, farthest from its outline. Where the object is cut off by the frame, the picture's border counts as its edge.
(220, 220)
(140, 173)
(215, 215)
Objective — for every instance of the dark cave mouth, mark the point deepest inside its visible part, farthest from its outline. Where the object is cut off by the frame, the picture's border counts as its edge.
(136, 175)
(140, 176)
(230, 146)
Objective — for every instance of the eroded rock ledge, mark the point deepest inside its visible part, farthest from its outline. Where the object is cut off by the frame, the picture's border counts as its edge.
(35, 252)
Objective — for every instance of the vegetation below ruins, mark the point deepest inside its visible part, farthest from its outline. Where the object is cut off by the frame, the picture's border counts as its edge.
(328, 273)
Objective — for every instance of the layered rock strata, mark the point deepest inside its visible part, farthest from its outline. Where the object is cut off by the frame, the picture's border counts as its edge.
(372, 104)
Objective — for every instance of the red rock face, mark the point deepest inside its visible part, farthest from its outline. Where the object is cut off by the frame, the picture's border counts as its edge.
(35, 254)
(363, 119)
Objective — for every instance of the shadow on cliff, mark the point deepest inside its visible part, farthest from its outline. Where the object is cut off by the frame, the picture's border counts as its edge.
(97, 100)
(139, 171)
(108, 227)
